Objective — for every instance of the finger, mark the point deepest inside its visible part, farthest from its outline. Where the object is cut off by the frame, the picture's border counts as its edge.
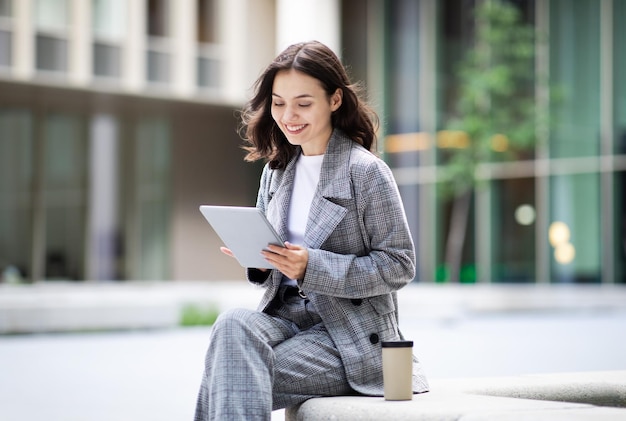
(276, 249)
(291, 246)
(227, 251)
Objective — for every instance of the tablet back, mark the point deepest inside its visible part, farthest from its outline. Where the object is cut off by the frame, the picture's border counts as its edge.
(244, 230)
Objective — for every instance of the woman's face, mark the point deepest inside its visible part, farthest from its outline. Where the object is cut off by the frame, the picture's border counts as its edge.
(302, 110)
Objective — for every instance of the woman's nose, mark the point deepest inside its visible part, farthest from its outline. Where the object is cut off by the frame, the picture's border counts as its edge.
(290, 113)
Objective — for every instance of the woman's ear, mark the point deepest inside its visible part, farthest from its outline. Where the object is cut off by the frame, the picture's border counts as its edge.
(336, 99)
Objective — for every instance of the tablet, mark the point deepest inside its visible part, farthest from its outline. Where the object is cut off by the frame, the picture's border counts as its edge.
(245, 231)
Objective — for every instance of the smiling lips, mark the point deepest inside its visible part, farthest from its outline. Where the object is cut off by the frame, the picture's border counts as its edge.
(295, 129)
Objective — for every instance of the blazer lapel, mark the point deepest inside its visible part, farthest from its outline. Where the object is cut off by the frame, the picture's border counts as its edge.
(325, 214)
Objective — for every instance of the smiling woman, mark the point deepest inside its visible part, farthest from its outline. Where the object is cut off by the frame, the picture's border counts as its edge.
(330, 300)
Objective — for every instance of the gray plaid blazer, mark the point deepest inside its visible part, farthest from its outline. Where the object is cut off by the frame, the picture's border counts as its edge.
(360, 254)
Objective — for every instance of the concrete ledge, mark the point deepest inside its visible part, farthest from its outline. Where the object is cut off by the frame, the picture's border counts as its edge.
(573, 396)
(70, 307)
(73, 306)
(600, 388)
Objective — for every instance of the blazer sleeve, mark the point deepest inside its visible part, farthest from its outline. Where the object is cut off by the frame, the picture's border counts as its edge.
(254, 275)
(387, 262)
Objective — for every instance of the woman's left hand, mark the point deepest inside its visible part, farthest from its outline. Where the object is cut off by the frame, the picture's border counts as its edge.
(290, 260)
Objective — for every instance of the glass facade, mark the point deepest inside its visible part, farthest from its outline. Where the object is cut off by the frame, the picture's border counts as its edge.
(87, 151)
(556, 212)
(84, 197)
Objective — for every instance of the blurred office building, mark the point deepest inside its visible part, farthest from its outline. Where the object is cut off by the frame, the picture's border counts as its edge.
(118, 119)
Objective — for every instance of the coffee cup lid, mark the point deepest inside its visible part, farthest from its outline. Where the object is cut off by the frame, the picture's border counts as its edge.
(397, 344)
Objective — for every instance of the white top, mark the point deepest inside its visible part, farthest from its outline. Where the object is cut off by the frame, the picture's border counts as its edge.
(308, 169)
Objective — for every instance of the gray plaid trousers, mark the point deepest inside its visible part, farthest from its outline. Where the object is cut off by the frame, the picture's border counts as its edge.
(258, 362)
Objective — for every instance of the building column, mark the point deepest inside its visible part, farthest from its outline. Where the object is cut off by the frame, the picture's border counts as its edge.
(184, 47)
(233, 42)
(80, 42)
(427, 203)
(306, 20)
(607, 135)
(23, 40)
(134, 56)
(102, 220)
(542, 173)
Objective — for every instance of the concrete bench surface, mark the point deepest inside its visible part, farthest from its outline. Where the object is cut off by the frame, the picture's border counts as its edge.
(590, 396)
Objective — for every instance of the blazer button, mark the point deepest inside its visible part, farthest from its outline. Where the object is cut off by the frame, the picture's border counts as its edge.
(357, 301)
(374, 338)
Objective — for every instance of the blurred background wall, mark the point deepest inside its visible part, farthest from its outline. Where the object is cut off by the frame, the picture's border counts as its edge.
(118, 119)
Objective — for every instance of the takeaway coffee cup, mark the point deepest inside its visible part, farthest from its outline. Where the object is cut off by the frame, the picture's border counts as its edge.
(398, 370)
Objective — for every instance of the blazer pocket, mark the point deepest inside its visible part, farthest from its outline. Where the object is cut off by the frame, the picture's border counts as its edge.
(383, 304)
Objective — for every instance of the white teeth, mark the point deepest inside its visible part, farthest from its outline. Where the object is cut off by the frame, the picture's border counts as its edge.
(295, 128)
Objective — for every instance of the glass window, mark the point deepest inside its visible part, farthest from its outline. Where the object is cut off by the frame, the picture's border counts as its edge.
(152, 151)
(109, 28)
(107, 60)
(52, 53)
(620, 227)
(6, 8)
(208, 72)
(206, 24)
(6, 34)
(403, 80)
(456, 31)
(575, 68)
(65, 197)
(456, 152)
(52, 20)
(208, 63)
(513, 229)
(158, 51)
(52, 15)
(619, 70)
(574, 230)
(456, 216)
(16, 179)
(158, 67)
(158, 23)
(6, 48)
(109, 19)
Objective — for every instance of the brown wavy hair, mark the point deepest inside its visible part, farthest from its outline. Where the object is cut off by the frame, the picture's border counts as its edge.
(265, 140)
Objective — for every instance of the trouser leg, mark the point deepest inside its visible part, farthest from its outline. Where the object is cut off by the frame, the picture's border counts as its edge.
(306, 366)
(237, 383)
(258, 362)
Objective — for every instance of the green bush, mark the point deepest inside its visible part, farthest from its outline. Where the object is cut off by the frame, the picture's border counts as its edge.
(196, 315)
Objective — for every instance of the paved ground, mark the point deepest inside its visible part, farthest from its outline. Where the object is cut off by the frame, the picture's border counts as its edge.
(154, 374)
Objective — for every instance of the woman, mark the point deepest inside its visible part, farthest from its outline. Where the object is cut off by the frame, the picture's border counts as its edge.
(331, 298)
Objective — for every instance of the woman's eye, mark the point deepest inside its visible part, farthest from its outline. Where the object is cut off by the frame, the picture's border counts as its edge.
(305, 105)
(278, 104)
